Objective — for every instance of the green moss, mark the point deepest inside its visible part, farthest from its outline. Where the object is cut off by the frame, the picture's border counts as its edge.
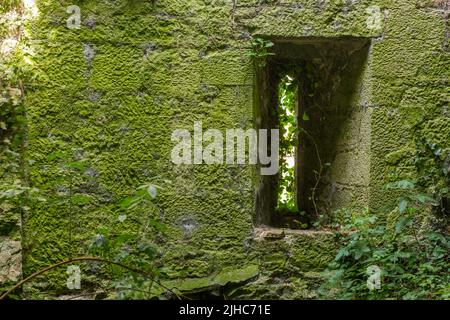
(395, 157)
(225, 277)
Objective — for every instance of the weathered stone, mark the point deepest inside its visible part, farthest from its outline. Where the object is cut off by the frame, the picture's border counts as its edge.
(10, 260)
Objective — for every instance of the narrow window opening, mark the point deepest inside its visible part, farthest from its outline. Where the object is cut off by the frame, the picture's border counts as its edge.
(311, 91)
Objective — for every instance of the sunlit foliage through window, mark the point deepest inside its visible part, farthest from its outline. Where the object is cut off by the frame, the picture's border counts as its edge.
(287, 93)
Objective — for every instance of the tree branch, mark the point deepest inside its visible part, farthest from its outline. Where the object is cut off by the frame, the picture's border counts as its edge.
(53, 266)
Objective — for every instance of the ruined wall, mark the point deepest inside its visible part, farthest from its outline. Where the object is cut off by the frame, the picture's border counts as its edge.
(11, 23)
(111, 93)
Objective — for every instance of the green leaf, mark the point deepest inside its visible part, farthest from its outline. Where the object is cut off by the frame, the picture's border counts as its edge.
(406, 184)
(399, 269)
(343, 252)
(157, 225)
(81, 199)
(372, 219)
(401, 223)
(405, 255)
(123, 238)
(434, 236)
(305, 117)
(55, 155)
(403, 185)
(103, 230)
(422, 198)
(127, 202)
(77, 165)
(360, 249)
(147, 248)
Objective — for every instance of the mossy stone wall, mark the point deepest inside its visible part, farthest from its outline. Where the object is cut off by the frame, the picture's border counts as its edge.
(111, 93)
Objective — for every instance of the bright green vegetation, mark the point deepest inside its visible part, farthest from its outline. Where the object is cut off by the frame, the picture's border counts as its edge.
(410, 244)
(414, 263)
(287, 94)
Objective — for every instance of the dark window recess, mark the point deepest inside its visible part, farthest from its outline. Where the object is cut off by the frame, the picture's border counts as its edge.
(307, 90)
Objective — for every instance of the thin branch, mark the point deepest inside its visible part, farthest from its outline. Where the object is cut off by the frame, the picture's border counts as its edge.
(138, 271)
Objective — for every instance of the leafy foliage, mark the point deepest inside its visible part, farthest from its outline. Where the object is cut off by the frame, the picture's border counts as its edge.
(414, 261)
(432, 162)
(260, 51)
(132, 243)
(288, 140)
